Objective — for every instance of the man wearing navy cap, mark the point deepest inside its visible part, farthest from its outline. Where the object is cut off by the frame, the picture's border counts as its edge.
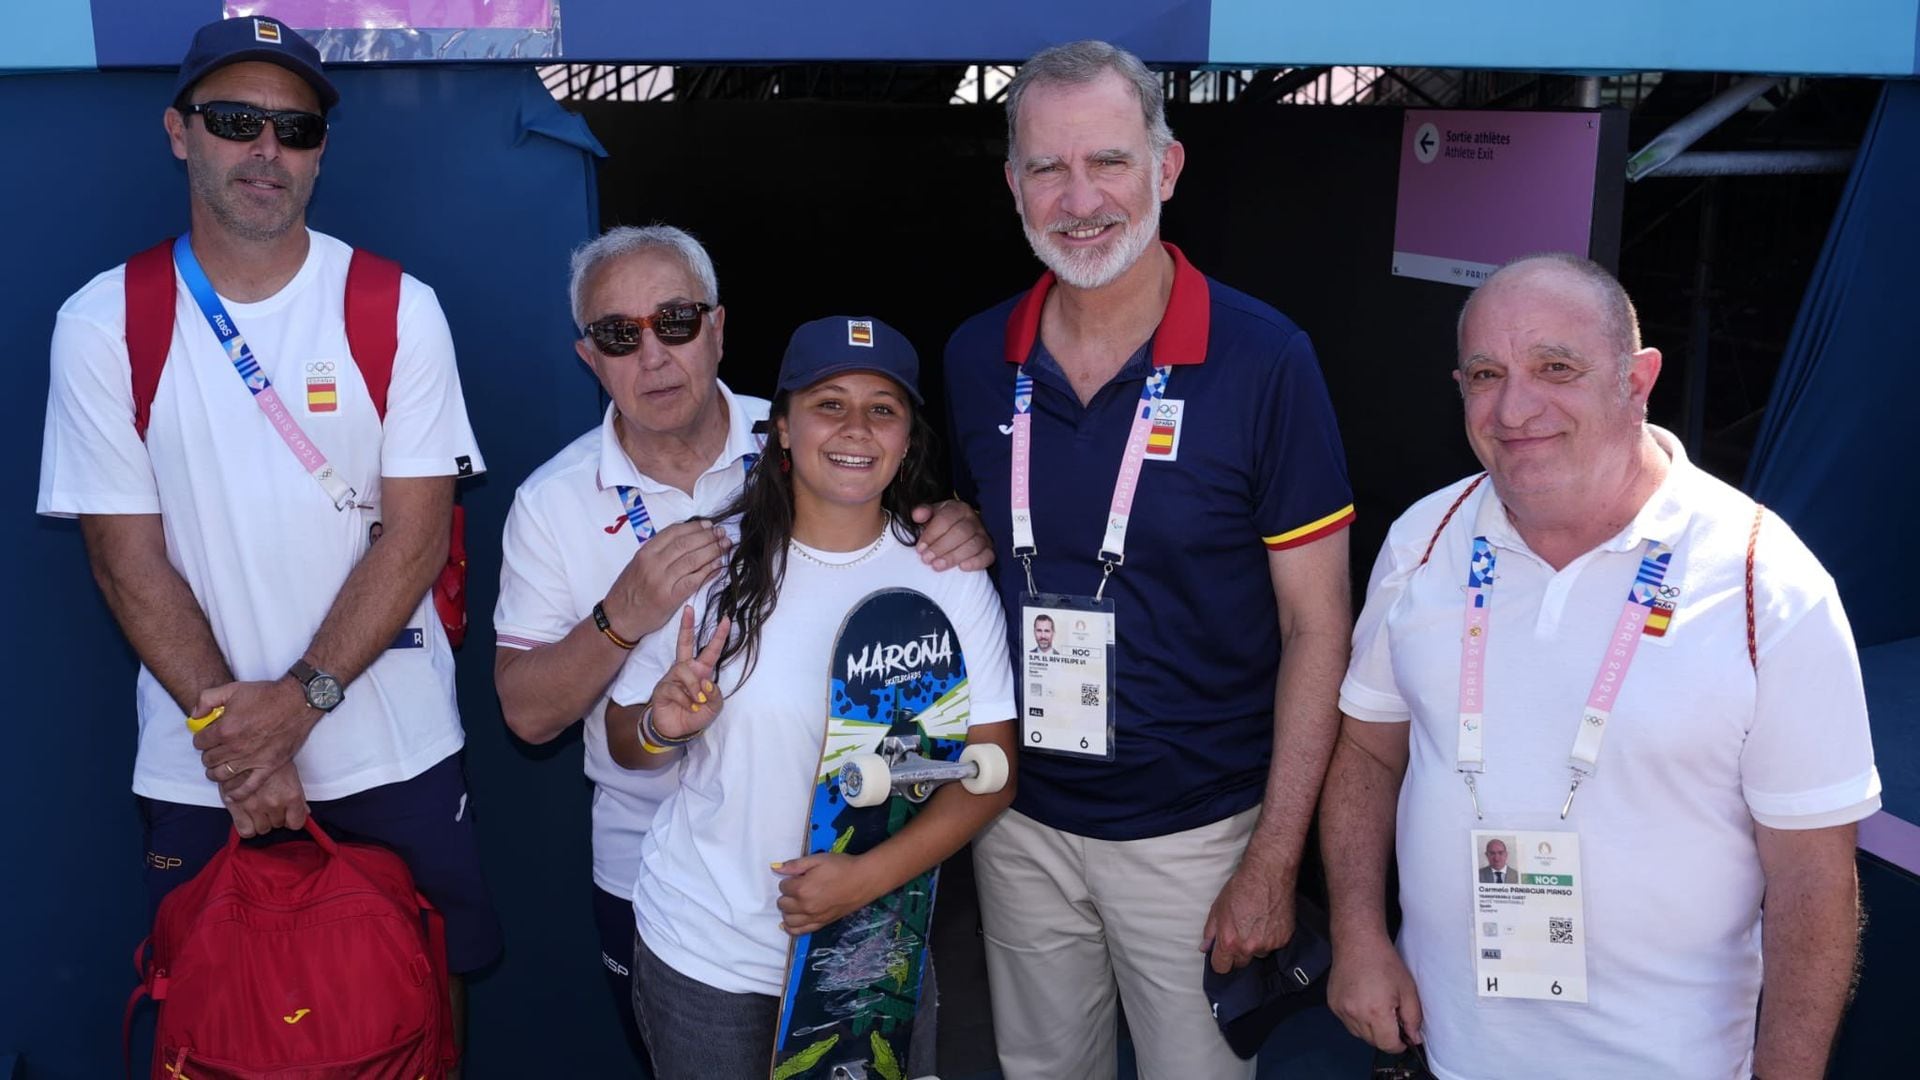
(229, 478)
(1171, 755)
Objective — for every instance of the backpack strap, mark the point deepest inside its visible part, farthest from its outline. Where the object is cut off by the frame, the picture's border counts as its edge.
(1451, 510)
(373, 322)
(143, 966)
(372, 314)
(1753, 540)
(149, 324)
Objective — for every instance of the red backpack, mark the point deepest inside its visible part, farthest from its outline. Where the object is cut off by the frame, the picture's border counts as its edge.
(373, 336)
(299, 960)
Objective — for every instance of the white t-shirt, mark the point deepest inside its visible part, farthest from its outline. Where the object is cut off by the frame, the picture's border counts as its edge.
(705, 896)
(254, 536)
(567, 539)
(1699, 747)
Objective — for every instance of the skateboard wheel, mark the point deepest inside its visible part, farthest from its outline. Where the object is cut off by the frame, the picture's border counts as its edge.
(865, 780)
(990, 764)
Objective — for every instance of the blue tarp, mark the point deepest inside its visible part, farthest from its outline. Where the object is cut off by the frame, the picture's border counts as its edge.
(479, 184)
(1838, 455)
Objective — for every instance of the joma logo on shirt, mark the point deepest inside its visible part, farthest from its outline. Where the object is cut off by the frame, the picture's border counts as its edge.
(878, 661)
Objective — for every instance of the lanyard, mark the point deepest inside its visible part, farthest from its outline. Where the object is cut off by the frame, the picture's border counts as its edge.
(1584, 759)
(636, 507)
(250, 372)
(1113, 546)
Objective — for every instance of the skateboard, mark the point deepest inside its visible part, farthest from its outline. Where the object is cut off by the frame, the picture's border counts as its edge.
(896, 730)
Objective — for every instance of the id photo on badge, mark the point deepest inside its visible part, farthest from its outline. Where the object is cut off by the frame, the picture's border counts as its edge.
(1500, 861)
(1065, 657)
(1042, 635)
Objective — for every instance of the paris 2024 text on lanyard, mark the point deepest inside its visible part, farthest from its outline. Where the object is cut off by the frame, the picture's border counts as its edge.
(1529, 926)
(1069, 656)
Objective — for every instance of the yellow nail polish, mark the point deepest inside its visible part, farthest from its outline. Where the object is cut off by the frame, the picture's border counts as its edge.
(696, 708)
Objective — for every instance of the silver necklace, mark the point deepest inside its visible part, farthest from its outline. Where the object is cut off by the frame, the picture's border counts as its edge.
(872, 550)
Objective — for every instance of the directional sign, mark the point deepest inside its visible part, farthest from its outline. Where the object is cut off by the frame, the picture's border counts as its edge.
(1426, 144)
(1478, 188)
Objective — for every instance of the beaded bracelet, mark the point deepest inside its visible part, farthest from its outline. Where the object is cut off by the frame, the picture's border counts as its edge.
(653, 741)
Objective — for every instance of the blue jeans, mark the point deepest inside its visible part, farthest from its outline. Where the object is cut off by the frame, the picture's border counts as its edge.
(695, 1032)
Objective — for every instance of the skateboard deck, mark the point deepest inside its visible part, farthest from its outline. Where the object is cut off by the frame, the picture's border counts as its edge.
(852, 987)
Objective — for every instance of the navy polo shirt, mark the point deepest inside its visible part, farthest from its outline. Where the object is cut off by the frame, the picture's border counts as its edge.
(1256, 463)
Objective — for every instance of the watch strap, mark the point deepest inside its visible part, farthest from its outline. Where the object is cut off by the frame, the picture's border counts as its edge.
(605, 626)
(306, 675)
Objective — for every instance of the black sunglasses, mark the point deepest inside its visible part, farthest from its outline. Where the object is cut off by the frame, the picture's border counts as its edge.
(673, 324)
(241, 122)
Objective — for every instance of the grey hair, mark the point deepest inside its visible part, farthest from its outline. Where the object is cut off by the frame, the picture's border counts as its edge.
(1079, 63)
(1616, 308)
(624, 240)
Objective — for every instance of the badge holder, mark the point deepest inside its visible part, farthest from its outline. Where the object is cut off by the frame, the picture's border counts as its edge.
(1529, 916)
(1067, 675)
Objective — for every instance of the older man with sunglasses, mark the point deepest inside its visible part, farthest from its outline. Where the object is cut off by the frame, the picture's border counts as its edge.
(230, 479)
(607, 540)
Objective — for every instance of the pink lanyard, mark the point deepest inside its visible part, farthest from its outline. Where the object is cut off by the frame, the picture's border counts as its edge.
(1113, 546)
(1584, 759)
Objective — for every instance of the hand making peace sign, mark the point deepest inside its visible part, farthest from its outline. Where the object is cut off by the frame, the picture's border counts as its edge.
(687, 699)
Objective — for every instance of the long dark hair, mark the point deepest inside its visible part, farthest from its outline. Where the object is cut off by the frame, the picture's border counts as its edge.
(758, 564)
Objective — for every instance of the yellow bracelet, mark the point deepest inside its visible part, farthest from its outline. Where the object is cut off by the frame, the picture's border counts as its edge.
(196, 724)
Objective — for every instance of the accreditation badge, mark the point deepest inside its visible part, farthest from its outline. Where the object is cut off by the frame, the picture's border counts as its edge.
(1066, 659)
(1529, 924)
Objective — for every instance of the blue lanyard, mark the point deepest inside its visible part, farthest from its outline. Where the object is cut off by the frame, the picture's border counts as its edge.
(255, 378)
(636, 507)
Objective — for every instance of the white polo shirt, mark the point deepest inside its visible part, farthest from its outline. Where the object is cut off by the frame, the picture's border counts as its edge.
(254, 536)
(567, 539)
(1699, 747)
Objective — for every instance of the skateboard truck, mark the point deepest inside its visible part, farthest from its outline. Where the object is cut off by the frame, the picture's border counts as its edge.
(899, 769)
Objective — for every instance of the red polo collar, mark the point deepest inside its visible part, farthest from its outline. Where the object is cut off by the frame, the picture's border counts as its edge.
(1181, 337)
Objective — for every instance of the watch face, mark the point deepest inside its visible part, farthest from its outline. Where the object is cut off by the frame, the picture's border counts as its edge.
(323, 692)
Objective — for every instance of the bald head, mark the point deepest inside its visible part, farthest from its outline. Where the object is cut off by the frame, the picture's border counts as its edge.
(1578, 281)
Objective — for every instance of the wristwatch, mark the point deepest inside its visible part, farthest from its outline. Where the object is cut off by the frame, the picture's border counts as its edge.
(323, 690)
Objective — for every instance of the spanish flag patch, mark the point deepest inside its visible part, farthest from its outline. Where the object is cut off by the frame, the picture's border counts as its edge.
(1659, 620)
(323, 394)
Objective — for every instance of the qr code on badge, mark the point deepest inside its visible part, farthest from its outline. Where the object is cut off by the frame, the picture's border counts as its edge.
(1035, 689)
(1090, 695)
(1559, 930)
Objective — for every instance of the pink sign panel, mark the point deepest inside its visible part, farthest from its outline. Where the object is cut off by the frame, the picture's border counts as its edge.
(402, 14)
(1480, 188)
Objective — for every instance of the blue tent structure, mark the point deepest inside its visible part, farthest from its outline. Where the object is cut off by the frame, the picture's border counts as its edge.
(450, 156)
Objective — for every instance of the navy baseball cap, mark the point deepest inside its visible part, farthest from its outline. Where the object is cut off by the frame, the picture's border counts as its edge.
(840, 343)
(253, 37)
(1249, 1002)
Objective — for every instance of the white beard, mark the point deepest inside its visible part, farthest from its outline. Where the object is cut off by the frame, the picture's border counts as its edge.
(1094, 268)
